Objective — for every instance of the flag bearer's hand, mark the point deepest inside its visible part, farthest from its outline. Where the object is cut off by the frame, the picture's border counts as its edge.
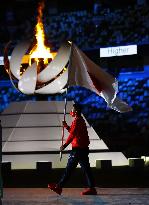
(62, 147)
(64, 123)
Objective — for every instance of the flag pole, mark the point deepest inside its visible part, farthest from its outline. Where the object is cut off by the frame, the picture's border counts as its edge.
(64, 120)
(66, 100)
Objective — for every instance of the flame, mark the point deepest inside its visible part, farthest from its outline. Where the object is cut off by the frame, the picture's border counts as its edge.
(40, 50)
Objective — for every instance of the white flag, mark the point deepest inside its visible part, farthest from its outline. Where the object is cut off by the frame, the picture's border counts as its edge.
(84, 72)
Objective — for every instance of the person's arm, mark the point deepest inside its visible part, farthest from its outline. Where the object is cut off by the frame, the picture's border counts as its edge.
(72, 131)
(65, 125)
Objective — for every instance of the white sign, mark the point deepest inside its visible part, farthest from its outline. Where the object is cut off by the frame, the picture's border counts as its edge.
(2, 60)
(118, 51)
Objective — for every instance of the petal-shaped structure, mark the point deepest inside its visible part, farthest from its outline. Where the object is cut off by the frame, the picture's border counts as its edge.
(27, 83)
(55, 86)
(57, 65)
(16, 58)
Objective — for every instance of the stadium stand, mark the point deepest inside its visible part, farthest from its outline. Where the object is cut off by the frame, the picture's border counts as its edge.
(88, 29)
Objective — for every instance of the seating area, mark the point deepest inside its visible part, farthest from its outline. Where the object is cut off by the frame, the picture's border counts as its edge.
(88, 29)
(134, 91)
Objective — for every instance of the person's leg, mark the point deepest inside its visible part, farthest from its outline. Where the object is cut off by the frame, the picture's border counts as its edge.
(85, 166)
(71, 165)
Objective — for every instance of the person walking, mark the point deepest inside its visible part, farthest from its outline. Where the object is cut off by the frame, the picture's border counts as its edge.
(78, 137)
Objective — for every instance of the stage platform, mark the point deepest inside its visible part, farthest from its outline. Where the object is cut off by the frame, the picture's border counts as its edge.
(71, 196)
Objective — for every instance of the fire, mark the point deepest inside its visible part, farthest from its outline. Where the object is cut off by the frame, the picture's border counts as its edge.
(40, 50)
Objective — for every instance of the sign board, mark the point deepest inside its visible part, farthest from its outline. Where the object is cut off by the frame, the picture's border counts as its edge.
(118, 51)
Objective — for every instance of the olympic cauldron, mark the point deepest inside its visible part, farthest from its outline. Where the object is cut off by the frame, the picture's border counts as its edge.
(41, 73)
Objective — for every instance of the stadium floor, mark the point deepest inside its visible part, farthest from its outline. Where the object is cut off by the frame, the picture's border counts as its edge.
(71, 196)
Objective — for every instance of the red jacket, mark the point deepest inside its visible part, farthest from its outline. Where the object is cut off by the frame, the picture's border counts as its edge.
(78, 136)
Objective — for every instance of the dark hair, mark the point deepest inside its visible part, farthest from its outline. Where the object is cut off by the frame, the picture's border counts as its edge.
(77, 108)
